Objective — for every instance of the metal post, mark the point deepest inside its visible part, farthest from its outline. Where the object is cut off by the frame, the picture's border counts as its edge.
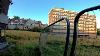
(67, 36)
(72, 53)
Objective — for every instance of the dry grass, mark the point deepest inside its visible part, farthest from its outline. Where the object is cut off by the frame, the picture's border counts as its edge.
(89, 41)
(24, 35)
(85, 46)
(26, 41)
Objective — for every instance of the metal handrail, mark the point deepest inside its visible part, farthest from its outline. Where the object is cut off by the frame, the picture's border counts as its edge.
(54, 23)
(72, 53)
(67, 36)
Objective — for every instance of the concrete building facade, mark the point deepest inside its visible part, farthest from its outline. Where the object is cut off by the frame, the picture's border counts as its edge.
(4, 6)
(86, 25)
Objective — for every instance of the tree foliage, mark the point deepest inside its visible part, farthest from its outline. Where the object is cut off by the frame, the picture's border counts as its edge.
(16, 17)
(36, 29)
(98, 31)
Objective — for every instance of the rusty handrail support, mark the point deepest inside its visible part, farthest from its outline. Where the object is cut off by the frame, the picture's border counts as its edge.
(72, 53)
(67, 36)
(54, 23)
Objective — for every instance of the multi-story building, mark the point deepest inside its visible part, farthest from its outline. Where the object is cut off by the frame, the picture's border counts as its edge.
(86, 25)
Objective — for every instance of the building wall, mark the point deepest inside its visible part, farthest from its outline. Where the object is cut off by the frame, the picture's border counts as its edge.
(3, 18)
(5, 6)
(14, 26)
(29, 24)
(86, 25)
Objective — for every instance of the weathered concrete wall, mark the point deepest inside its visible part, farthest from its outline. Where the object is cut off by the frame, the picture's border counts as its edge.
(3, 18)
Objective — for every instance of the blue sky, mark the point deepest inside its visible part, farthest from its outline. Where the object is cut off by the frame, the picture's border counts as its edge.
(38, 9)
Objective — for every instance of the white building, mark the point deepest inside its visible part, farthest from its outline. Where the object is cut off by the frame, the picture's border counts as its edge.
(25, 24)
(29, 24)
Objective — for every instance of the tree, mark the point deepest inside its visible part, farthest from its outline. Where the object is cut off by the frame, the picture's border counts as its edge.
(16, 17)
(35, 29)
(46, 30)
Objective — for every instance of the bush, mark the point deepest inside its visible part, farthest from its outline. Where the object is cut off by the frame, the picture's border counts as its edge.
(16, 28)
(98, 31)
(36, 29)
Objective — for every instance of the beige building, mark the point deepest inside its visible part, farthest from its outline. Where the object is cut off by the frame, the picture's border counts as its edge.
(86, 25)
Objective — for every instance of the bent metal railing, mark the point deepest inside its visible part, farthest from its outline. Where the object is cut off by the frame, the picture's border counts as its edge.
(72, 53)
(67, 35)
